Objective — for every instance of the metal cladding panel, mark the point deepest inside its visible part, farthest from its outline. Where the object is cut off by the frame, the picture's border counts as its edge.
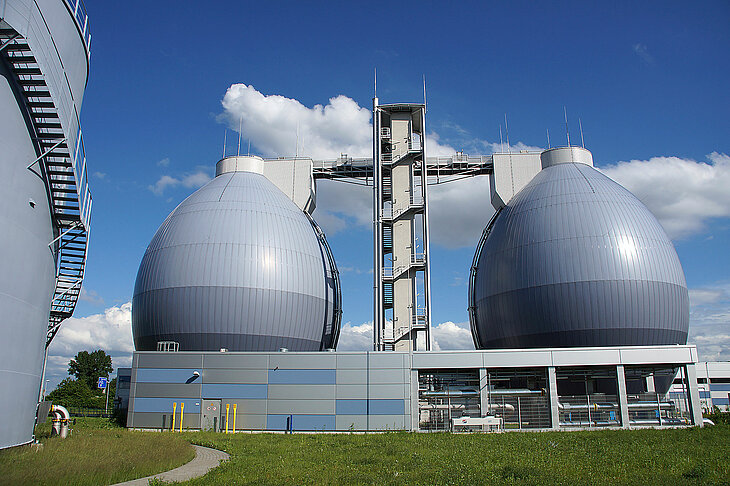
(301, 406)
(234, 390)
(27, 272)
(352, 391)
(301, 392)
(236, 265)
(161, 390)
(351, 422)
(387, 422)
(236, 376)
(574, 259)
(247, 361)
(169, 360)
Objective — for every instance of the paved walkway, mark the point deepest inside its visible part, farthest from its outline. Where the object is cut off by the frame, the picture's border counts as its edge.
(205, 460)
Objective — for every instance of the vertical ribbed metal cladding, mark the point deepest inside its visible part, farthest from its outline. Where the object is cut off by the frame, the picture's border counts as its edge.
(236, 265)
(574, 259)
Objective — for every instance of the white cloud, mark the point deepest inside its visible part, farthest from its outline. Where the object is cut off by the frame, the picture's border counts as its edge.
(459, 211)
(682, 193)
(450, 335)
(709, 322)
(271, 123)
(110, 331)
(100, 175)
(641, 51)
(190, 180)
(164, 162)
(91, 296)
(447, 335)
(356, 337)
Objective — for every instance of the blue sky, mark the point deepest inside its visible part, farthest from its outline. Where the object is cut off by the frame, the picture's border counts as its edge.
(648, 82)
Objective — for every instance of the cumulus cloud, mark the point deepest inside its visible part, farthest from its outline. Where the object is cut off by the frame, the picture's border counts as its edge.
(459, 211)
(447, 335)
(683, 194)
(709, 322)
(190, 180)
(272, 122)
(451, 335)
(163, 162)
(356, 337)
(110, 331)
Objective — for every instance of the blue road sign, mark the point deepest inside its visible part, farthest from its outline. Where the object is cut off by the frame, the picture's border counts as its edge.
(102, 383)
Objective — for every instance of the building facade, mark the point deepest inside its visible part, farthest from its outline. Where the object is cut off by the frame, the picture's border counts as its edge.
(529, 389)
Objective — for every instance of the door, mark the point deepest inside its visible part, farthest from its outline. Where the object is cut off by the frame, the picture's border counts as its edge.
(211, 415)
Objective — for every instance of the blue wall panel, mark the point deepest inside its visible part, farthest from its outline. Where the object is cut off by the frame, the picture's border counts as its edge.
(164, 405)
(166, 375)
(351, 407)
(234, 390)
(301, 422)
(723, 387)
(302, 377)
(387, 407)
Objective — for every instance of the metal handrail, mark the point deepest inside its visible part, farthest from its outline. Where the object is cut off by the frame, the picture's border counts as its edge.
(82, 21)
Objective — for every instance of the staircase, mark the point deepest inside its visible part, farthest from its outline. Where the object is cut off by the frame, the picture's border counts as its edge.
(63, 172)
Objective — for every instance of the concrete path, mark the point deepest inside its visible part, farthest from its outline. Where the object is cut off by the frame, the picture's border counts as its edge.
(205, 460)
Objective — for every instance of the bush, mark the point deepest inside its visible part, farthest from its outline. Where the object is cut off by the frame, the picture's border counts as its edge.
(718, 416)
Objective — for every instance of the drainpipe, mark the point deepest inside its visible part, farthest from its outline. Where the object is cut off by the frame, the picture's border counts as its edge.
(60, 421)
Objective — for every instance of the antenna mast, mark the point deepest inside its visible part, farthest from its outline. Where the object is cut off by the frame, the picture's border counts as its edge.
(567, 132)
(581, 134)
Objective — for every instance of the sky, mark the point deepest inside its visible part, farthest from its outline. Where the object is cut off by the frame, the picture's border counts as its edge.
(646, 82)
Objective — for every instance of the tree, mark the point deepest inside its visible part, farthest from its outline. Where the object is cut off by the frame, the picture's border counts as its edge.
(88, 367)
(73, 393)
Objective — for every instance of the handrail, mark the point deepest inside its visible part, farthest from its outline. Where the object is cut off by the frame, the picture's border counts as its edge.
(78, 9)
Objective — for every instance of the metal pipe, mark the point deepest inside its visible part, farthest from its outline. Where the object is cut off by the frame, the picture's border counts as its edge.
(60, 421)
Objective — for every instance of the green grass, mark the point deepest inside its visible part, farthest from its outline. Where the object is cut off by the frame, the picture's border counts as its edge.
(100, 453)
(612, 457)
(97, 452)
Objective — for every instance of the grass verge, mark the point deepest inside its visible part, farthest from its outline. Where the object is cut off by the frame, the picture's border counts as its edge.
(682, 456)
(97, 452)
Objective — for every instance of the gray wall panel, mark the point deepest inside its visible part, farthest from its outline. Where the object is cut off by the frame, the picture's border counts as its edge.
(388, 391)
(351, 422)
(250, 422)
(235, 376)
(170, 360)
(351, 391)
(245, 407)
(391, 376)
(351, 377)
(301, 406)
(387, 422)
(317, 361)
(155, 420)
(236, 361)
(351, 360)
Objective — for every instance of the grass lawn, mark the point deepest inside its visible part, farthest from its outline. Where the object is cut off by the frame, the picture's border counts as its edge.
(615, 457)
(97, 452)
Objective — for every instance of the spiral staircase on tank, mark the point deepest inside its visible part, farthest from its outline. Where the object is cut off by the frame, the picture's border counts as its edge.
(62, 168)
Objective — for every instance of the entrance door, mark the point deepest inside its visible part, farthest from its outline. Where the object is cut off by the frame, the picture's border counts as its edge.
(211, 415)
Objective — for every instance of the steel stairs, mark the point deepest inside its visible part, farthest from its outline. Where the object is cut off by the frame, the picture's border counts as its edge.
(63, 172)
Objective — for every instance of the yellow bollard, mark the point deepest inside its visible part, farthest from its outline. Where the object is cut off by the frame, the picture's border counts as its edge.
(174, 406)
(182, 407)
(228, 407)
(235, 405)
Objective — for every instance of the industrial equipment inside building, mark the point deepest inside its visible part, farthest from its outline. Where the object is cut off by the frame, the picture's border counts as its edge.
(578, 304)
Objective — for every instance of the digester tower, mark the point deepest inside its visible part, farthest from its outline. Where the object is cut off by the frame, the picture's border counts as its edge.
(45, 203)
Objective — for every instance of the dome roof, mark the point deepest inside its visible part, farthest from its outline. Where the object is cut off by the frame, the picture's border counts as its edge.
(574, 259)
(237, 265)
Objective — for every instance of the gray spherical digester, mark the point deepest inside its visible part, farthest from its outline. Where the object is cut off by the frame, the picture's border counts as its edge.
(237, 265)
(574, 259)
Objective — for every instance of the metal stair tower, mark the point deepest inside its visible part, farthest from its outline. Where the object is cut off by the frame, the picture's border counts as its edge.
(402, 303)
